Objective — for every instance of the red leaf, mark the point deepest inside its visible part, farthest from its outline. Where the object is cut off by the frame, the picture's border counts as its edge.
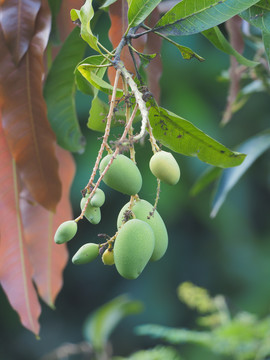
(119, 24)
(24, 116)
(18, 24)
(48, 258)
(15, 268)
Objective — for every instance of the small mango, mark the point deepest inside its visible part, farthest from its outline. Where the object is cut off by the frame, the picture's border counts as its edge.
(164, 167)
(123, 175)
(86, 253)
(108, 257)
(133, 248)
(92, 214)
(98, 198)
(142, 210)
(65, 232)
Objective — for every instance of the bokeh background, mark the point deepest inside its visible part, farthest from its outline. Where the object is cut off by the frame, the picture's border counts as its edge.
(228, 255)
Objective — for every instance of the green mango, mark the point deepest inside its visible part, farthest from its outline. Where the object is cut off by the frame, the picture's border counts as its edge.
(65, 232)
(86, 253)
(123, 175)
(108, 257)
(98, 198)
(141, 210)
(92, 214)
(164, 167)
(133, 248)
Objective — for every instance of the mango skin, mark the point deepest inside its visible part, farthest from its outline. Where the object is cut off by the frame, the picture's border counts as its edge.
(123, 175)
(164, 167)
(65, 232)
(141, 210)
(133, 248)
(98, 198)
(108, 257)
(92, 214)
(86, 253)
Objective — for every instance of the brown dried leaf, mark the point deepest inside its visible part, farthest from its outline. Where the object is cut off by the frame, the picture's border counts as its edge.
(18, 19)
(48, 258)
(24, 116)
(15, 268)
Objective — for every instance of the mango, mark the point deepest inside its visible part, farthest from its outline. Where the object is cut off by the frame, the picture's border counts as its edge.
(108, 257)
(92, 214)
(98, 198)
(133, 248)
(141, 210)
(65, 232)
(164, 167)
(86, 253)
(123, 175)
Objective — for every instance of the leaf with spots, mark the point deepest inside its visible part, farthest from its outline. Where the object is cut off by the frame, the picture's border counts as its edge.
(183, 137)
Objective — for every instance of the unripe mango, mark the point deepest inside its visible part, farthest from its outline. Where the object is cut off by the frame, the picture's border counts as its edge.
(141, 210)
(86, 253)
(92, 214)
(65, 232)
(164, 166)
(133, 248)
(108, 257)
(123, 175)
(98, 198)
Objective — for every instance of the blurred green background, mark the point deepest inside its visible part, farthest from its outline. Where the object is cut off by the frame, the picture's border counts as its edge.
(228, 255)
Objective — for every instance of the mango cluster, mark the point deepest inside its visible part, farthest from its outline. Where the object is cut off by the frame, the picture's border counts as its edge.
(142, 235)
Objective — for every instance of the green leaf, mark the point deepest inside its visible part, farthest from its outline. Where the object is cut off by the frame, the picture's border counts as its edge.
(266, 41)
(210, 175)
(99, 326)
(254, 147)
(216, 37)
(107, 3)
(183, 137)
(98, 115)
(258, 17)
(139, 10)
(191, 17)
(264, 4)
(94, 62)
(85, 15)
(157, 353)
(95, 80)
(54, 34)
(59, 93)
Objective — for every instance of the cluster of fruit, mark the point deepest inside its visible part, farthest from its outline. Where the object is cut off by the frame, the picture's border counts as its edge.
(142, 234)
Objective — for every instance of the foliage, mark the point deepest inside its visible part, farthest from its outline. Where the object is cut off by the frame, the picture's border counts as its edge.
(35, 115)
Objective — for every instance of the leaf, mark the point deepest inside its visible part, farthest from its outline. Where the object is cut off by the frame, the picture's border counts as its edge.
(258, 17)
(107, 3)
(264, 4)
(99, 326)
(55, 8)
(17, 20)
(266, 41)
(216, 37)
(253, 147)
(96, 81)
(85, 15)
(191, 17)
(48, 258)
(15, 267)
(95, 62)
(26, 127)
(139, 10)
(157, 353)
(59, 93)
(210, 175)
(183, 137)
